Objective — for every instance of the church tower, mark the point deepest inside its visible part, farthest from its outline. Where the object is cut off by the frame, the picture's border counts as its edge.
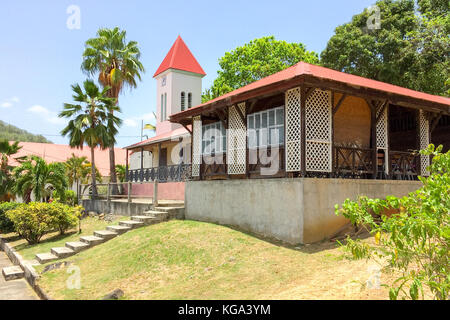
(179, 85)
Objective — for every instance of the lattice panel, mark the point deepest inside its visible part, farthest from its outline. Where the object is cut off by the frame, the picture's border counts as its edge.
(196, 145)
(382, 133)
(424, 131)
(318, 118)
(236, 140)
(382, 127)
(293, 130)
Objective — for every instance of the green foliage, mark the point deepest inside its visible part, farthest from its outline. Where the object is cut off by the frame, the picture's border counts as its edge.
(36, 176)
(411, 48)
(12, 133)
(121, 172)
(6, 179)
(63, 216)
(6, 225)
(415, 240)
(255, 60)
(69, 197)
(32, 221)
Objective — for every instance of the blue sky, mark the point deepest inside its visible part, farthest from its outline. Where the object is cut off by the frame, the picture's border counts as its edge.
(40, 57)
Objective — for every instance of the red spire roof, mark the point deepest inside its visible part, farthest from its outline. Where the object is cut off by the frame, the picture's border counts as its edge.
(180, 58)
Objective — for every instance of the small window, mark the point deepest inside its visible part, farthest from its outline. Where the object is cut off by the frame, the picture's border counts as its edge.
(165, 106)
(162, 108)
(266, 128)
(189, 100)
(182, 101)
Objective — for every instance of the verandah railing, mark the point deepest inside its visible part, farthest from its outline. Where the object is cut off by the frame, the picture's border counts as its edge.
(358, 163)
(174, 173)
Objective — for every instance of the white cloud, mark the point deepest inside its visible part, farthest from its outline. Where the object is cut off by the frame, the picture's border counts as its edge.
(38, 109)
(48, 115)
(130, 123)
(136, 121)
(8, 103)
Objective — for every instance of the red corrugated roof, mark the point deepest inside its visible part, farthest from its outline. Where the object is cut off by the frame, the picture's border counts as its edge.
(303, 68)
(180, 58)
(61, 152)
(162, 137)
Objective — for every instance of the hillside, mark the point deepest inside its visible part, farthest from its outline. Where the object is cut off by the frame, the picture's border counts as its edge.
(12, 133)
(182, 260)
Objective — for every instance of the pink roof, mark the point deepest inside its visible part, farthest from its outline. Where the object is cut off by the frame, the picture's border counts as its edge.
(303, 68)
(180, 58)
(160, 138)
(61, 152)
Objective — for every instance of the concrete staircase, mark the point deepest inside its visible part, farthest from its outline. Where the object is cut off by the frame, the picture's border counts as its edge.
(86, 242)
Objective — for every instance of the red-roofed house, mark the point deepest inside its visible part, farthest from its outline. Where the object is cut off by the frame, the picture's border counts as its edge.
(275, 156)
(179, 88)
(61, 152)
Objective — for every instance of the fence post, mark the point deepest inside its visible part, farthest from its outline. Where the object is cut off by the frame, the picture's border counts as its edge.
(108, 197)
(155, 192)
(129, 191)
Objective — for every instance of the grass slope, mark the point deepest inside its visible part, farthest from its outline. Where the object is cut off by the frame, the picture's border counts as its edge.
(195, 260)
(51, 240)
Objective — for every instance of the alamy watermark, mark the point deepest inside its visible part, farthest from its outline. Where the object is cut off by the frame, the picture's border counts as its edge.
(374, 20)
(73, 21)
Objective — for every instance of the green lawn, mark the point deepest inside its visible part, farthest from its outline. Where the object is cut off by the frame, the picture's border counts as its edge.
(195, 260)
(51, 240)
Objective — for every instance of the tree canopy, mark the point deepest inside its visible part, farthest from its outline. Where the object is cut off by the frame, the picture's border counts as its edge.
(410, 49)
(255, 60)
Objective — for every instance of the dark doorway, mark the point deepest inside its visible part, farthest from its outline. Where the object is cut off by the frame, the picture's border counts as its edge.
(402, 129)
(441, 133)
(163, 158)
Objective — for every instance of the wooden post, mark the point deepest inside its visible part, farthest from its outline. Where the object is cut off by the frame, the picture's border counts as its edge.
(373, 127)
(155, 192)
(79, 194)
(141, 175)
(303, 129)
(126, 167)
(108, 197)
(129, 191)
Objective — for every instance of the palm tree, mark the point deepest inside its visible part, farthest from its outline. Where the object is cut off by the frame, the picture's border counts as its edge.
(93, 123)
(116, 63)
(6, 179)
(121, 172)
(74, 169)
(37, 177)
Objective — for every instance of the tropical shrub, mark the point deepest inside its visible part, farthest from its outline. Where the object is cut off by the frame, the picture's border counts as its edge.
(31, 221)
(35, 219)
(68, 197)
(415, 241)
(63, 216)
(6, 225)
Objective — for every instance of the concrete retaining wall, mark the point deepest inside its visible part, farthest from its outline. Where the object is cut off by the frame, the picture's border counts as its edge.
(117, 207)
(292, 210)
(166, 190)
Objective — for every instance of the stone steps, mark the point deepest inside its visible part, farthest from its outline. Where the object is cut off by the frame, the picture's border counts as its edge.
(145, 219)
(62, 252)
(101, 236)
(118, 229)
(131, 223)
(43, 258)
(92, 240)
(105, 234)
(13, 273)
(77, 246)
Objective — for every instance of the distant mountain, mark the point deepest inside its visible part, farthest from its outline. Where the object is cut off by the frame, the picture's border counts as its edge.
(12, 133)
